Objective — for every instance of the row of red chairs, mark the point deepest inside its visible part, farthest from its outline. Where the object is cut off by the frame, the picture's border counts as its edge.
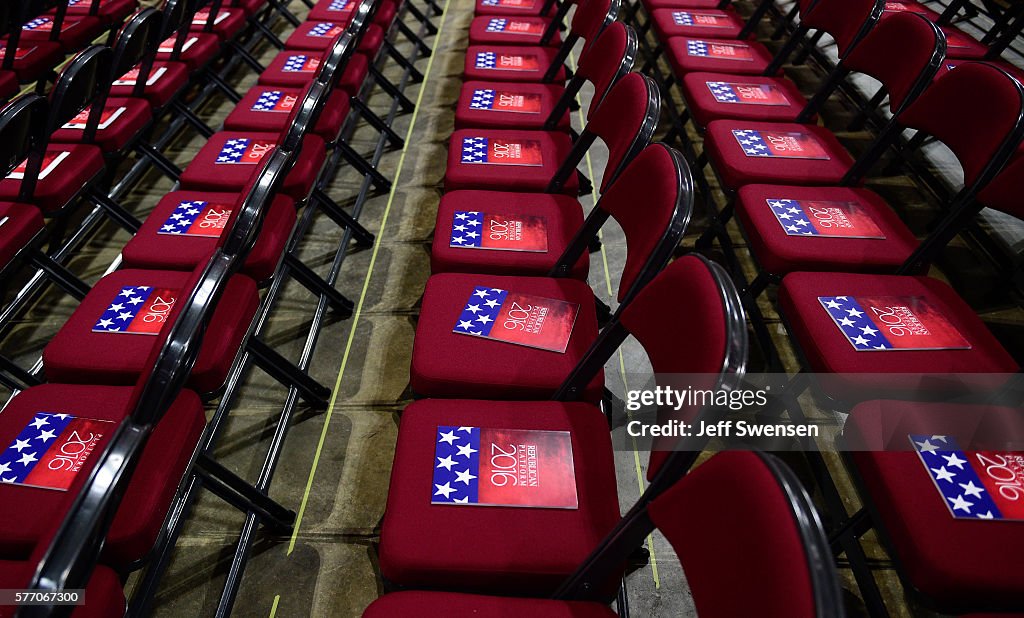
(512, 160)
(775, 164)
(197, 246)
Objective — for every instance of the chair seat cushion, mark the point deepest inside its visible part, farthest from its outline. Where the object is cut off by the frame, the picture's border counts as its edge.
(457, 605)
(447, 364)
(510, 63)
(104, 594)
(227, 25)
(151, 249)
(526, 551)
(827, 349)
(527, 30)
(787, 231)
(713, 23)
(719, 96)
(911, 6)
(562, 215)
(954, 563)
(66, 169)
(198, 50)
(738, 151)
(76, 31)
(333, 10)
(251, 7)
(21, 224)
(652, 5)
(291, 69)
(125, 119)
(687, 55)
(77, 355)
(33, 59)
(511, 8)
(165, 81)
(152, 486)
(266, 109)
(476, 156)
(111, 11)
(229, 159)
(961, 45)
(372, 40)
(316, 36)
(498, 105)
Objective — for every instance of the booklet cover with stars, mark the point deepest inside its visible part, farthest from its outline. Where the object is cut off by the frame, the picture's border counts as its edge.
(479, 230)
(818, 218)
(137, 310)
(884, 323)
(974, 484)
(525, 468)
(51, 450)
(520, 319)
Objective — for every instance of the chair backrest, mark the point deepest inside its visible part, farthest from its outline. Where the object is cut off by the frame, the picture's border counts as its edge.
(847, 21)
(245, 225)
(80, 84)
(23, 137)
(625, 121)
(749, 540)
(977, 111)
(138, 38)
(304, 115)
(590, 19)
(607, 61)
(904, 52)
(176, 24)
(333, 67)
(1004, 192)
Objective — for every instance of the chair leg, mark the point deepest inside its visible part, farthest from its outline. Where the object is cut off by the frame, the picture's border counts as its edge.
(266, 33)
(246, 57)
(17, 374)
(363, 166)
(59, 273)
(164, 164)
(318, 285)
(243, 496)
(186, 112)
(285, 13)
(224, 87)
(407, 32)
(362, 236)
(115, 210)
(285, 372)
(378, 123)
(387, 86)
(414, 74)
(420, 17)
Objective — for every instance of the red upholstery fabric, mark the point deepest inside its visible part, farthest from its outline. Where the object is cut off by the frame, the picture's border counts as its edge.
(589, 18)
(372, 40)
(909, 6)
(491, 30)
(447, 364)
(962, 45)
(251, 7)
(199, 49)
(152, 486)
(35, 58)
(779, 253)
(355, 74)
(982, 122)
(333, 10)
(21, 223)
(104, 594)
(511, 8)
(455, 605)
(77, 355)
(149, 249)
(204, 174)
(554, 148)
(81, 165)
(600, 63)
(228, 22)
(619, 119)
(134, 117)
(498, 119)
(736, 169)
(651, 5)
(385, 14)
(562, 215)
(724, 24)
(317, 36)
(112, 11)
(1003, 192)
(526, 551)
(513, 55)
(842, 19)
(245, 118)
(765, 553)
(905, 36)
(955, 563)
(160, 89)
(75, 33)
(705, 108)
(682, 62)
(828, 351)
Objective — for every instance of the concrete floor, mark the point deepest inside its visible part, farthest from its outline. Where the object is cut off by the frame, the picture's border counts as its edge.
(336, 464)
